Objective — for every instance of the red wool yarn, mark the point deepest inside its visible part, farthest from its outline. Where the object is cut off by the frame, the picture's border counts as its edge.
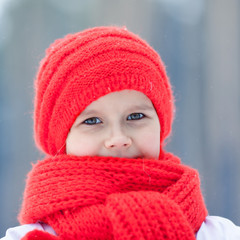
(113, 198)
(93, 197)
(84, 66)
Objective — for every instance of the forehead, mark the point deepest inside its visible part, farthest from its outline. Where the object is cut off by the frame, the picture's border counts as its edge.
(117, 104)
(122, 98)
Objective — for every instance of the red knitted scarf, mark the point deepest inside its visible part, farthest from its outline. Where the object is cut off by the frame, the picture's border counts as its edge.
(113, 198)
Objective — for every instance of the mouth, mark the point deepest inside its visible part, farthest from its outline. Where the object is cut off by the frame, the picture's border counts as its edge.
(137, 157)
(124, 156)
(130, 157)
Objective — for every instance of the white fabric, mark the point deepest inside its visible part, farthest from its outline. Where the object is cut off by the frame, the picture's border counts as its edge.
(19, 232)
(218, 228)
(213, 228)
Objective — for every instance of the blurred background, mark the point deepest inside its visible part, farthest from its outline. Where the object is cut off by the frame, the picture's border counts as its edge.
(199, 41)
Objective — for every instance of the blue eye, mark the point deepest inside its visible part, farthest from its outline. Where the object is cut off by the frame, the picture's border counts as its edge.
(135, 116)
(92, 121)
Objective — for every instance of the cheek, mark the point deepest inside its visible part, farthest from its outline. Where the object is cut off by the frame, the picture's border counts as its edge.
(81, 145)
(149, 144)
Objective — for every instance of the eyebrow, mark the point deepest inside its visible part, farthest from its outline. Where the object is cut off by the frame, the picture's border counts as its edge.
(145, 107)
(89, 112)
(140, 107)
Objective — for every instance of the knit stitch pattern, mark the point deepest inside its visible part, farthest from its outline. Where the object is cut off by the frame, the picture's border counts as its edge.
(84, 66)
(39, 235)
(114, 198)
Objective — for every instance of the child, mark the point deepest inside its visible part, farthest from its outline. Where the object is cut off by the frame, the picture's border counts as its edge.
(103, 108)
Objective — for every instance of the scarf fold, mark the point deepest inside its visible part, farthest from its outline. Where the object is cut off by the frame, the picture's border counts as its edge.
(114, 198)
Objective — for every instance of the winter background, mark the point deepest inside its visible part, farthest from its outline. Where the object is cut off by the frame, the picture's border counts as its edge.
(199, 41)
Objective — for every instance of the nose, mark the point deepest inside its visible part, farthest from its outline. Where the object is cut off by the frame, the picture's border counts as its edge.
(118, 141)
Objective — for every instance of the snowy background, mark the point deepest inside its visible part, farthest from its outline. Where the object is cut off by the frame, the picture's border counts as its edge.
(199, 41)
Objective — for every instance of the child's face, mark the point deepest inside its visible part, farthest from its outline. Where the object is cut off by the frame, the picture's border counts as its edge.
(120, 124)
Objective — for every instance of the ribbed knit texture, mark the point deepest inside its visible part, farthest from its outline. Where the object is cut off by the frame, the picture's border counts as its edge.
(84, 66)
(114, 198)
(105, 197)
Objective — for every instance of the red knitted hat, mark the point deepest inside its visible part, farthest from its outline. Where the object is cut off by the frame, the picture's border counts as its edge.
(84, 66)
